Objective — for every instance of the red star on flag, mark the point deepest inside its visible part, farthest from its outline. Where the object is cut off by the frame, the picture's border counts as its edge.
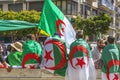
(48, 56)
(115, 77)
(32, 66)
(80, 62)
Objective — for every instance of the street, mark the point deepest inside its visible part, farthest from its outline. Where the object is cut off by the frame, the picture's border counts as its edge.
(36, 74)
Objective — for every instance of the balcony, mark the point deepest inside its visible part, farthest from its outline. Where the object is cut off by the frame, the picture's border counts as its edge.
(90, 0)
(107, 5)
(32, 0)
(118, 16)
(118, 3)
(19, 0)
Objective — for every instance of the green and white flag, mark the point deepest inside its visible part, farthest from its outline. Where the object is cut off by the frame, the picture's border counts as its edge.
(80, 64)
(53, 20)
(54, 56)
(110, 62)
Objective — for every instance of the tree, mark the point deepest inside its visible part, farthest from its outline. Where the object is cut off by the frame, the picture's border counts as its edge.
(97, 24)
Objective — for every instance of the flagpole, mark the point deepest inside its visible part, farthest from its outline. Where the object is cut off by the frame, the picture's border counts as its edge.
(37, 34)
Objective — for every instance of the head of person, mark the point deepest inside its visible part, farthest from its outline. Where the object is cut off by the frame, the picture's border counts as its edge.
(79, 34)
(31, 37)
(100, 43)
(57, 34)
(9, 48)
(111, 39)
(17, 46)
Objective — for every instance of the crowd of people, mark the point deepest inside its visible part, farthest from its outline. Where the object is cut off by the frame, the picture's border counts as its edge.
(78, 64)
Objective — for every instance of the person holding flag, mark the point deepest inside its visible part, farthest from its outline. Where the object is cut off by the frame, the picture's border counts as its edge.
(53, 20)
(54, 57)
(80, 64)
(110, 60)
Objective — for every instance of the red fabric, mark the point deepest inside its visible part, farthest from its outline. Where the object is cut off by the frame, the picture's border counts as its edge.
(2, 66)
(48, 55)
(80, 62)
(75, 49)
(110, 64)
(58, 26)
(30, 56)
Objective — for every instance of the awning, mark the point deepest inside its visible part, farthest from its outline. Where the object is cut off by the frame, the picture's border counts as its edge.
(15, 25)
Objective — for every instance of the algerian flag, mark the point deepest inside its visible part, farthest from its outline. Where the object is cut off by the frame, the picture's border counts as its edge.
(54, 56)
(110, 62)
(53, 20)
(80, 64)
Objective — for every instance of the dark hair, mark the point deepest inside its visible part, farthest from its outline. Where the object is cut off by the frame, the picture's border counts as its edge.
(100, 41)
(30, 36)
(111, 39)
(79, 34)
(9, 48)
(56, 33)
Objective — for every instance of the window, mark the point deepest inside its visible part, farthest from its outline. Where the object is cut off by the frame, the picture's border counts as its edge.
(73, 8)
(59, 4)
(64, 7)
(36, 6)
(100, 1)
(69, 7)
(76, 8)
(87, 11)
(55, 2)
(1, 7)
(15, 7)
(94, 12)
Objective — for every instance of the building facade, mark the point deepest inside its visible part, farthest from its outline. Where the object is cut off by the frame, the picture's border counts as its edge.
(72, 8)
(19, 5)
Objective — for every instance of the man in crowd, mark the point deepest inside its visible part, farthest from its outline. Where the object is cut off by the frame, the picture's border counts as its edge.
(14, 58)
(80, 64)
(31, 46)
(110, 60)
(4, 63)
(97, 52)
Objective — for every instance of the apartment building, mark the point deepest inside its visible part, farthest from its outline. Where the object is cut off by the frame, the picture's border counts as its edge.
(68, 7)
(18, 5)
(71, 8)
(118, 19)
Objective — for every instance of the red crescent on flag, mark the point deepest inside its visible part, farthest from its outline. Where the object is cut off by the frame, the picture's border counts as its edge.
(75, 49)
(30, 56)
(58, 22)
(62, 51)
(110, 64)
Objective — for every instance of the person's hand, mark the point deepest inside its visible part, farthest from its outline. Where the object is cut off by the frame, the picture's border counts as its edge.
(9, 68)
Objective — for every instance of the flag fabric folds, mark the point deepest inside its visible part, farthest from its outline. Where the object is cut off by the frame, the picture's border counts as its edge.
(54, 56)
(53, 20)
(80, 64)
(110, 62)
(6, 25)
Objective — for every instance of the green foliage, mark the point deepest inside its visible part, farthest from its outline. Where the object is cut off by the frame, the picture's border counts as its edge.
(95, 25)
(29, 16)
